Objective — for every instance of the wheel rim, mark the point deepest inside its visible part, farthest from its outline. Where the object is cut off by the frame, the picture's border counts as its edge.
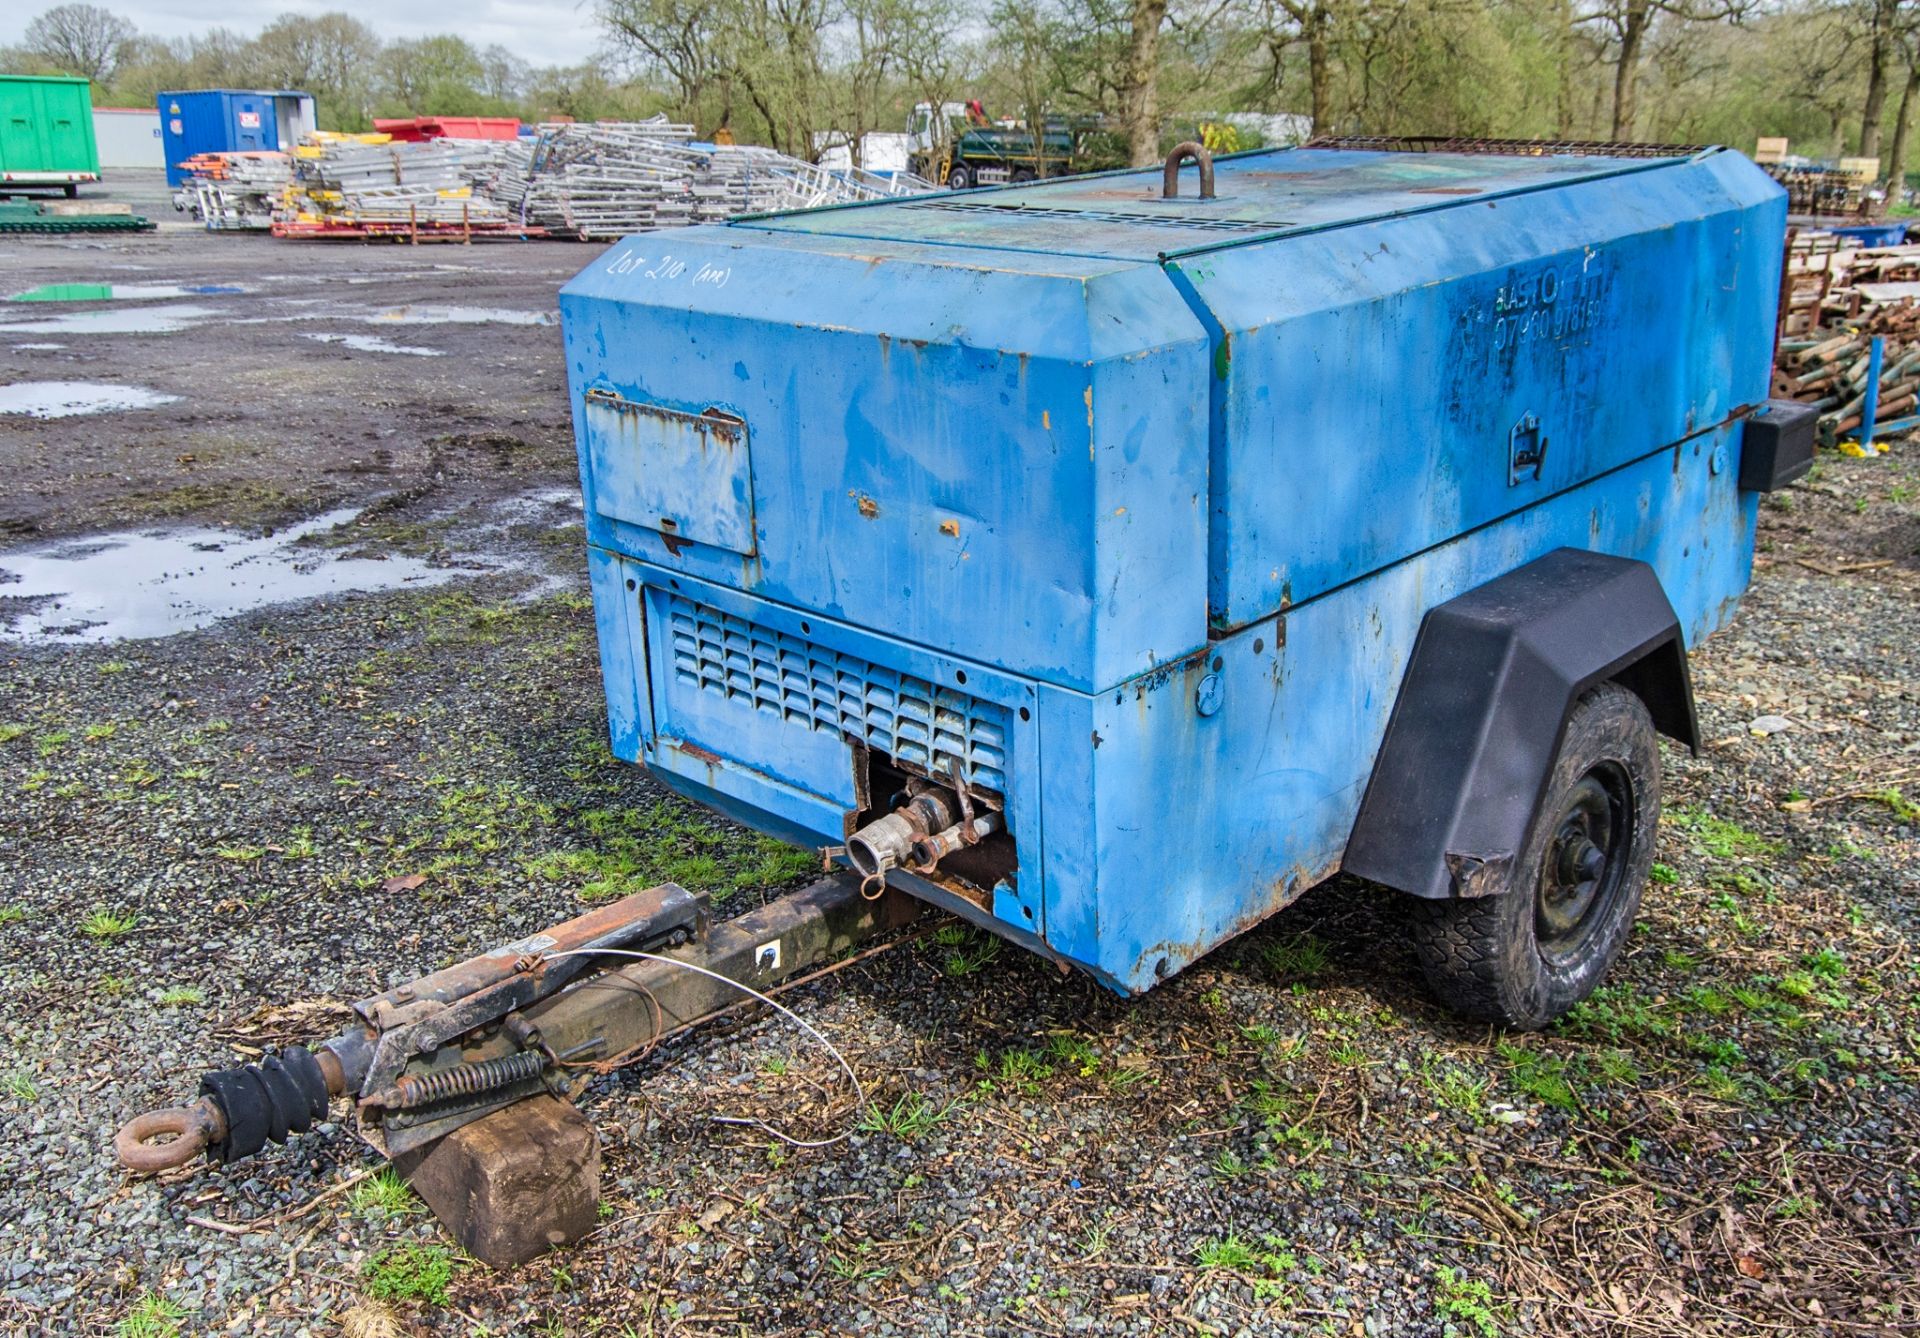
(1585, 862)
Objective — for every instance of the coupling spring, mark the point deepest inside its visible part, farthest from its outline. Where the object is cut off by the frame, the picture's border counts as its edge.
(411, 1091)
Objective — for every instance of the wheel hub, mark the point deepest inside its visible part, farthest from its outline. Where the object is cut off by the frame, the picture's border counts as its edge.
(1579, 872)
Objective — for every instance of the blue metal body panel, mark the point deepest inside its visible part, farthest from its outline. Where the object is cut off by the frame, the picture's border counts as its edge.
(220, 120)
(1139, 540)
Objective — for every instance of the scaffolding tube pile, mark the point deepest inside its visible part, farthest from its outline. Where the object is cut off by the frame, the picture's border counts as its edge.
(372, 184)
(234, 191)
(609, 180)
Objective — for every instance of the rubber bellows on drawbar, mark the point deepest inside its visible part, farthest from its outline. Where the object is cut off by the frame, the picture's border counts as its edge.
(282, 1094)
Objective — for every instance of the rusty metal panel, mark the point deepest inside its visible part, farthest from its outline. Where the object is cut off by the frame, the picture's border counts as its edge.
(688, 476)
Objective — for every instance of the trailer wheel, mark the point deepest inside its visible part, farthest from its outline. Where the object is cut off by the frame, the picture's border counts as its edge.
(73, 190)
(1526, 953)
(1021, 175)
(959, 177)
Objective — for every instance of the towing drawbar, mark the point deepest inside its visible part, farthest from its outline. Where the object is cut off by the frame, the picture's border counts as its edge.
(539, 1015)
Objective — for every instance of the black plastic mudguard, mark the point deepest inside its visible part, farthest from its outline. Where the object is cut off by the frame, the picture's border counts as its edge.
(1478, 722)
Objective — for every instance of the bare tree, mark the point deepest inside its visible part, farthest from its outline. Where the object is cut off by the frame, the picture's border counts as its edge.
(1626, 24)
(329, 56)
(1140, 114)
(80, 39)
(1894, 169)
(1285, 24)
(680, 40)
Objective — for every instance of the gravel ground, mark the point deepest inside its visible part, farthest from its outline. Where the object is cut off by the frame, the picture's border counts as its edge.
(198, 833)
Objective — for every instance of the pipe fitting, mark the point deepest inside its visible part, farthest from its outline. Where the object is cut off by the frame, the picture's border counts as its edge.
(931, 825)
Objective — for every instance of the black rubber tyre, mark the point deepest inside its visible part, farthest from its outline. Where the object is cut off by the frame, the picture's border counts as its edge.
(1523, 956)
(959, 177)
(1022, 175)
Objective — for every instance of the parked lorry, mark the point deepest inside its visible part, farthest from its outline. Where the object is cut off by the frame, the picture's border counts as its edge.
(46, 132)
(959, 147)
(1107, 564)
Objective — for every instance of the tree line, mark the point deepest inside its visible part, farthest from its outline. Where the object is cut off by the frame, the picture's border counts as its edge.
(1835, 77)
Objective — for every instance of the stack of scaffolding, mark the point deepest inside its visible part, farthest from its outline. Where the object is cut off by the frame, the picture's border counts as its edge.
(579, 181)
(601, 181)
(234, 191)
(371, 185)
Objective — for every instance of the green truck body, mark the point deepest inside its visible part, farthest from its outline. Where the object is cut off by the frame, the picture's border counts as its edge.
(46, 131)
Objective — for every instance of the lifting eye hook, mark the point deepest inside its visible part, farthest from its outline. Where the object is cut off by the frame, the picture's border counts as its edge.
(1170, 175)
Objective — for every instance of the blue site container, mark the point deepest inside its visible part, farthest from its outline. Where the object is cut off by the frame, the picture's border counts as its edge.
(1124, 517)
(1873, 234)
(230, 120)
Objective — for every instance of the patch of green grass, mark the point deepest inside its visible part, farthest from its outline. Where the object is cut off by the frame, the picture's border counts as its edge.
(1074, 1052)
(641, 847)
(382, 1194)
(50, 743)
(1301, 957)
(1826, 963)
(856, 1267)
(1468, 1301)
(152, 1316)
(911, 1117)
(10, 915)
(1902, 807)
(20, 1087)
(10, 732)
(1229, 1165)
(1019, 1070)
(1229, 1252)
(1268, 1105)
(1718, 837)
(410, 1273)
(104, 730)
(240, 854)
(1456, 1089)
(1265, 1265)
(102, 923)
(113, 667)
(180, 996)
(1544, 1077)
(115, 986)
(973, 950)
(1662, 873)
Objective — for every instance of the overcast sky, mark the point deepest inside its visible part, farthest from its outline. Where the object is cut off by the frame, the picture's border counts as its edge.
(557, 33)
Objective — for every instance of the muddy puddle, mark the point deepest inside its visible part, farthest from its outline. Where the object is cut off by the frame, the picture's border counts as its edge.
(425, 314)
(375, 344)
(69, 399)
(123, 292)
(134, 585)
(166, 318)
(138, 584)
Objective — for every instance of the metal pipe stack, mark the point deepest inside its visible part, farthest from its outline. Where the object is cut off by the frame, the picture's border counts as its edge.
(608, 180)
(356, 180)
(1837, 300)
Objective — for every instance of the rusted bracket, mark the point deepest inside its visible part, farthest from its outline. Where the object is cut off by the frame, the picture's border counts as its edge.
(422, 1017)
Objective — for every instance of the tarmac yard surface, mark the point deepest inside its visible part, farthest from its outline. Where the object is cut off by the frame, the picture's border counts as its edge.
(299, 699)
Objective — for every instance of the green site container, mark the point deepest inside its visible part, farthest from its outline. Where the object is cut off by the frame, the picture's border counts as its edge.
(46, 131)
